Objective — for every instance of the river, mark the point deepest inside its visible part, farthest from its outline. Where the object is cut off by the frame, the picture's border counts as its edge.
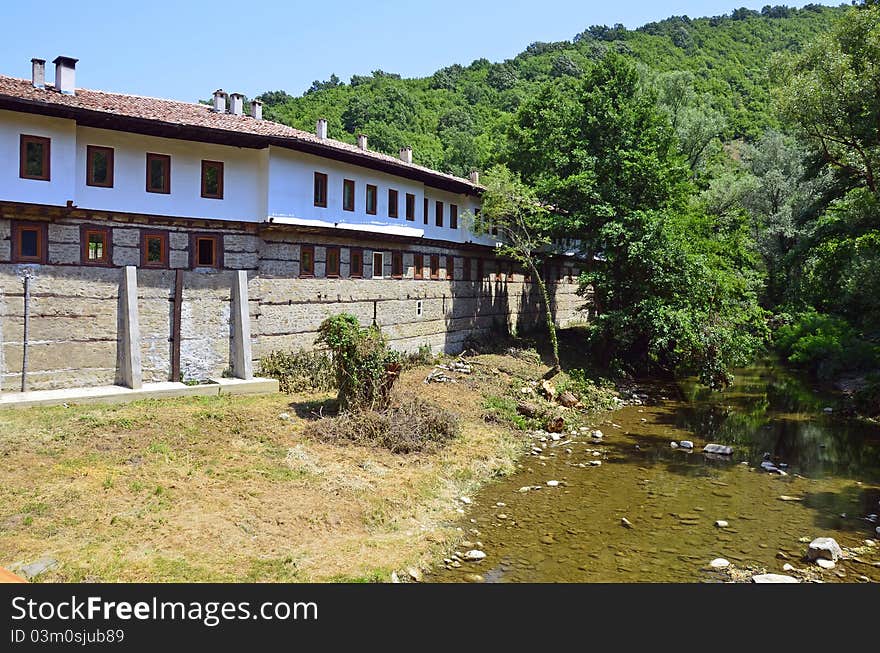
(672, 497)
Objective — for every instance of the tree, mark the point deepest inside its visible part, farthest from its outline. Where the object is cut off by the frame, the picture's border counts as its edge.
(522, 222)
(832, 92)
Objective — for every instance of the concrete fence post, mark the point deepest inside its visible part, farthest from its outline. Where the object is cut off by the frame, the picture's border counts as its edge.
(242, 364)
(130, 336)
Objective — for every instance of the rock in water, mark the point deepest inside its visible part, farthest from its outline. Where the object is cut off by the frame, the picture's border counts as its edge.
(718, 449)
(552, 483)
(597, 434)
(474, 578)
(673, 445)
(774, 578)
(686, 444)
(824, 547)
(555, 425)
(568, 399)
(787, 567)
(721, 524)
(626, 523)
(825, 564)
(464, 500)
(474, 555)
(719, 563)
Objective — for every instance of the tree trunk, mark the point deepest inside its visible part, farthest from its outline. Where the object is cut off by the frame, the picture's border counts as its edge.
(551, 327)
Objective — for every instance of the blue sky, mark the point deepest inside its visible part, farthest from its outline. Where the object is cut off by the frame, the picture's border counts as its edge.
(185, 49)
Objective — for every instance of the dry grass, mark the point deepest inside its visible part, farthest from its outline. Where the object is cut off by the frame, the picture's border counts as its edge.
(221, 489)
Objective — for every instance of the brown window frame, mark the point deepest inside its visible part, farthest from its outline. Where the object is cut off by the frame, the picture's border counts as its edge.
(85, 231)
(166, 189)
(418, 266)
(435, 266)
(348, 183)
(330, 272)
(146, 235)
(393, 203)
(219, 166)
(375, 191)
(397, 265)
(453, 216)
(217, 243)
(47, 157)
(410, 207)
(42, 230)
(91, 150)
(322, 178)
(450, 267)
(438, 213)
(356, 273)
(302, 268)
(425, 210)
(381, 274)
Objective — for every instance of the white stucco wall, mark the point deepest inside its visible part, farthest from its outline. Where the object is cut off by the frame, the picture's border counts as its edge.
(242, 177)
(62, 152)
(291, 195)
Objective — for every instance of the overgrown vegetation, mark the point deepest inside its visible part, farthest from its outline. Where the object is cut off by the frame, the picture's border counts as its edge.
(299, 371)
(411, 424)
(365, 367)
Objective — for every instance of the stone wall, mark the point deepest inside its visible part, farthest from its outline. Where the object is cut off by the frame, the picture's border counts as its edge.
(75, 309)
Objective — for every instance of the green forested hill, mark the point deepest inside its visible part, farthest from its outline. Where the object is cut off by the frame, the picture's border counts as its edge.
(455, 119)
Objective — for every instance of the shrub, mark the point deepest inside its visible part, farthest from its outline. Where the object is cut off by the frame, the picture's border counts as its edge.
(825, 346)
(364, 365)
(424, 356)
(594, 396)
(414, 424)
(299, 371)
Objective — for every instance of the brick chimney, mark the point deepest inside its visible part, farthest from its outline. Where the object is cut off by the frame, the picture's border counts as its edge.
(362, 141)
(256, 110)
(38, 73)
(65, 75)
(321, 128)
(406, 154)
(236, 104)
(220, 100)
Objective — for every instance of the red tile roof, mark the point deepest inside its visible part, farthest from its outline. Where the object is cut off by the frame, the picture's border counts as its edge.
(99, 108)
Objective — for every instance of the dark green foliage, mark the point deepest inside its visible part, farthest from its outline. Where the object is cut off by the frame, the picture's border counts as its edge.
(365, 367)
(826, 346)
(299, 371)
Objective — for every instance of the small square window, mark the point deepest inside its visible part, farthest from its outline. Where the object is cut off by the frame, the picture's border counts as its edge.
(371, 199)
(99, 166)
(397, 265)
(332, 261)
(348, 195)
(154, 249)
(320, 189)
(95, 245)
(378, 265)
(393, 203)
(418, 266)
(206, 251)
(28, 243)
(435, 266)
(212, 180)
(307, 261)
(356, 264)
(410, 207)
(158, 173)
(34, 158)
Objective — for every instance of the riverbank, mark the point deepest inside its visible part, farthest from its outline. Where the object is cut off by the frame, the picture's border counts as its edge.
(232, 489)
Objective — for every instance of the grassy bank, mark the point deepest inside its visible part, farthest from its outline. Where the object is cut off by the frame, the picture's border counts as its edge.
(224, 489)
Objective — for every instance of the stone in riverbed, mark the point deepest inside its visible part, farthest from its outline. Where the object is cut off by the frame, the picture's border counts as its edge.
(474, 578)
(719, 563)
(720, 449)
(673, 445)
(597, 434)
(786, 497)
(474, 555)
(465, 500)
(824, 547)
(721, 524)
(686, 444)
(774, 578)
(552, 483)
(415, 574)
(825, 564)
(787, 567)
(626, 523)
